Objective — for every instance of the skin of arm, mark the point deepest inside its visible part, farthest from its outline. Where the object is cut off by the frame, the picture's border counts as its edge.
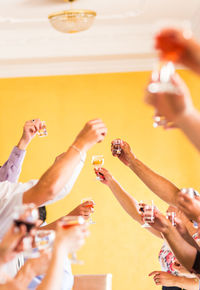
(170, 280)
(162, 187)
(129, 204)
(54, 179)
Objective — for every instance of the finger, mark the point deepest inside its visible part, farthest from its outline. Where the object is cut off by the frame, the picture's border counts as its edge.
(95, 121)
(154, 273)
(170, 125)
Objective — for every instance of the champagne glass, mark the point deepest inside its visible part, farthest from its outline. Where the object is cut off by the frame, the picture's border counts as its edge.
(91, 205)
(97, 162)
(26, 214)
(43, 131)
(71, 221)
(144, 206)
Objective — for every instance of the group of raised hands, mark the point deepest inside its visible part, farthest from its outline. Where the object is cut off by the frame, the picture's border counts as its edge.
(178, 110)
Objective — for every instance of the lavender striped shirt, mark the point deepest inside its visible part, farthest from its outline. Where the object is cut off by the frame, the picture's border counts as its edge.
(12, 167)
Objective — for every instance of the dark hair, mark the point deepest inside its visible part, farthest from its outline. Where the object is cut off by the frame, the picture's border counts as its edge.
(42, 213)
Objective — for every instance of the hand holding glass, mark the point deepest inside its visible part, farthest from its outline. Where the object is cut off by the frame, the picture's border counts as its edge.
(71, 221)
(147, 207)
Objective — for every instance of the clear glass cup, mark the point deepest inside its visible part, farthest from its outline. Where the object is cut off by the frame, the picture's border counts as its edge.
(144, 206)
(161, 83)
(117, 147)
(171, 217)
(71, 221)
(90, 206)
(190, 191)
(43, 131)
(44, 239)
(26, 214)
(97, 162)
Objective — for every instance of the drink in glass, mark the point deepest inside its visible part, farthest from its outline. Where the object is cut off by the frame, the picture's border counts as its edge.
(43, 130)
(90, 205)
(68, 222)
(117, 147)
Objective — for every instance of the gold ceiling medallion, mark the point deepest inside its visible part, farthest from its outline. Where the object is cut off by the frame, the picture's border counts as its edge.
(72, 20)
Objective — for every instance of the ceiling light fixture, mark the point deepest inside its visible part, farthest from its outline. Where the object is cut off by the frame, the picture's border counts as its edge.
(72, 20)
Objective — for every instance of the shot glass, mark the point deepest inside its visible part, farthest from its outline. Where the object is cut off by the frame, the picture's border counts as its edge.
(43, 131)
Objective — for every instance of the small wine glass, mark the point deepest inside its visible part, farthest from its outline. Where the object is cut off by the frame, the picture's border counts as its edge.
(43, 131)
(90, 205)
(144, 206)
(71, 221)
(97, 162)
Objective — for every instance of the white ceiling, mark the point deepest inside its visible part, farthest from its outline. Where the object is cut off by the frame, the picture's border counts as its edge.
(121, 38)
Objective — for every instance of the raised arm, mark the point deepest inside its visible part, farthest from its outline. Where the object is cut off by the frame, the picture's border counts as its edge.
(11, 169)
(55, 178)
(129, 203)
(162, 187)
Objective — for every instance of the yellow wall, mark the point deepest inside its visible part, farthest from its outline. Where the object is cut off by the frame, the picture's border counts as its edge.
(117, 244)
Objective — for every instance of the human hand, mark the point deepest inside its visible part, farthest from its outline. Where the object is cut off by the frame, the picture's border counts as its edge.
(190, 206)
(172, 106)
(84, 209)
(160, 222)
(93, 132)
(29, 131)
(163, 278)
(70, 239)
(104, 175)
(126, 153)
(180, 226)
(178, 46)
(12, 242)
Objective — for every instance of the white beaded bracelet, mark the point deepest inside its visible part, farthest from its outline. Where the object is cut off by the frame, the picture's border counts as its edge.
(80, 152)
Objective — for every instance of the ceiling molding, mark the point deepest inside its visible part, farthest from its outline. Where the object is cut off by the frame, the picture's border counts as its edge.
(73, 66)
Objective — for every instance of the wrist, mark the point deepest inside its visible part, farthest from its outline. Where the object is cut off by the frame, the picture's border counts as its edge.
(184, 116)
(22, 145)
(81, 145)
(133, 162)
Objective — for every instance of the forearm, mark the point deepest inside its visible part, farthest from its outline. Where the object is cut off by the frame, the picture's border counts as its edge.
(186, 283)
(184, 252)
(162, 187)
(53, 277)
(189, 123)
(189, 239)
(54, 179)
(128, 203)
